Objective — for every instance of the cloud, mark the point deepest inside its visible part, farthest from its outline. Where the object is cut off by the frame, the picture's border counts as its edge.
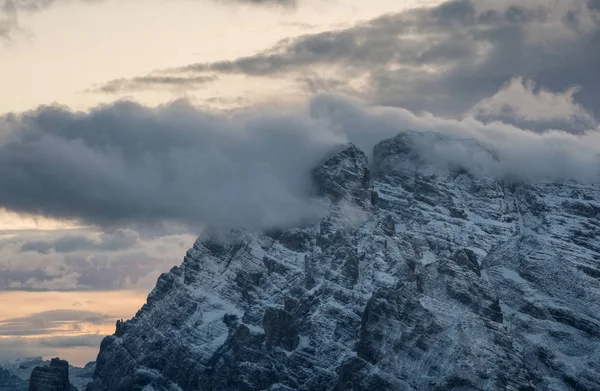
(59, 321)
(443, 59)
(59, 316)
(519, 102)
(8, 19)
(125, 163)
(32, 330)
(151, 82)
(89, 340)
(83, 260)
(119, 240)
(491, 149)
(11, 348)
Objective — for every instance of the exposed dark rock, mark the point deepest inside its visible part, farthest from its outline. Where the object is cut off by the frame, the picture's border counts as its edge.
(296, 239)
(388, 226)
(280, 329)
(23, 368)
(468, 259)
(344, 175)
(375, 198)
(53, 377)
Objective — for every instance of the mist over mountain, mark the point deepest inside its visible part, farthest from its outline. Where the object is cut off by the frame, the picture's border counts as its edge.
(129, 164)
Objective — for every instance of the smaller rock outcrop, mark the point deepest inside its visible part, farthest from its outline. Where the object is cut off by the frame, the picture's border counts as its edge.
(344, 175)
(53, 377)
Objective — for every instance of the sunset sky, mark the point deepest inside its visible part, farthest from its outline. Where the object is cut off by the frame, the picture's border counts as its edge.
(127, 126)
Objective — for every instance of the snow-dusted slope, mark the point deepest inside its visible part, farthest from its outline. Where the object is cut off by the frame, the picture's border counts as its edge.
(418, 279)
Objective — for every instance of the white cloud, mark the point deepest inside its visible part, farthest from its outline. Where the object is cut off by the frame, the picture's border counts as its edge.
(520, 100)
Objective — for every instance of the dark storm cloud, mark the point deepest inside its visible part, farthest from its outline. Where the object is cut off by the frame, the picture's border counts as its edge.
(447, 58)
(126, 163)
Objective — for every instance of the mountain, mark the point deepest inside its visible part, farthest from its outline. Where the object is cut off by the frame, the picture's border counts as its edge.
(420, 278)
(53, 377)
(10, 382)
(23, 368)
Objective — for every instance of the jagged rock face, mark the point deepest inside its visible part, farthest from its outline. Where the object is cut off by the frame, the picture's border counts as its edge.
(10, 382)
(448, 281)
(53, 377)
(22, 369)
(344, 175)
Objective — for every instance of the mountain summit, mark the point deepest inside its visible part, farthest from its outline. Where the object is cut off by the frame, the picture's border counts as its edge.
(417, 279)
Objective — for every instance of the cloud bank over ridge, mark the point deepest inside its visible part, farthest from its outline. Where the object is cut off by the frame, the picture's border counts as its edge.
(126, 164)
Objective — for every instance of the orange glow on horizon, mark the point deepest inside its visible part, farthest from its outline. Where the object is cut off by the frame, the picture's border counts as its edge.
(121, 304)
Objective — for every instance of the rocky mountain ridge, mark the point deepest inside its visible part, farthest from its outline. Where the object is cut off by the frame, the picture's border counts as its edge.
(20, 370)
(11, 382)
(418, 279)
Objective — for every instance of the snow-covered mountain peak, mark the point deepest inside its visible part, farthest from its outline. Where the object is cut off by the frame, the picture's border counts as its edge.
(415, 280)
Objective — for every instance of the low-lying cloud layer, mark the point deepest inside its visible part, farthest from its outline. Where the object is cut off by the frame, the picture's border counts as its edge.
(11, 348)
(120, 240)
(86, 260)
(126, 164)
(52, 322)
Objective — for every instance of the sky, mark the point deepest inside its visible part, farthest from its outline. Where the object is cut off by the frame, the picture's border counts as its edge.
(127, 127)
